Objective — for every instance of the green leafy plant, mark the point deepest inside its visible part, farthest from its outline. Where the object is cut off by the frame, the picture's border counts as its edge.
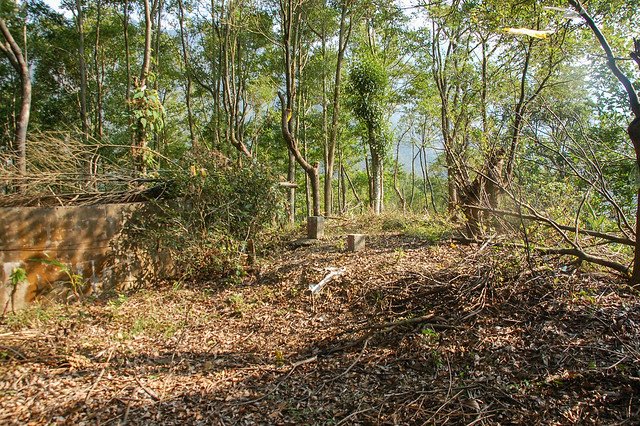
(238, 303)
(430, 333)
(118, 301)
(18, 275)
(147, 117)
(75, 280)
(203, 224)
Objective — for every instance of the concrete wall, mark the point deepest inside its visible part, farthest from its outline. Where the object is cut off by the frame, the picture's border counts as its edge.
(80, 237)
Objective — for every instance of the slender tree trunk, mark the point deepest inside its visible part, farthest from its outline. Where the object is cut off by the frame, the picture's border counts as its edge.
(148, 32)
(306, 175)
(634, 135)
(158, 41)
(140, 144)
(83, 71)
(216, 68)
(634, 104)
(343, 41)
(376, 172)
(18, 60)
(98, 130)
(367, 168)
(291, 176)
(232, 82)
(125, 27)
(342, 196)
(518, 114)
(399, 192)
(328, 189)
(413, 174)
(424, 178)
(185, 59)
(291, 16)
(429, 183)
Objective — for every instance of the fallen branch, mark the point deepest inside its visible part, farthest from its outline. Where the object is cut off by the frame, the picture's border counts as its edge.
(364, 347)
(408, 321)
(387, 326)
(99, 376)
(581, 255)
(609, 237)
(146, 390)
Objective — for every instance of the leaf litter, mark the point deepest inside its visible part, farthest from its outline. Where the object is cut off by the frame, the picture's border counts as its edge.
(408, 333)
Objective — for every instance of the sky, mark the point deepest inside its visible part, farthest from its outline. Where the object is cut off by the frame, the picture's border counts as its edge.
(55, 4)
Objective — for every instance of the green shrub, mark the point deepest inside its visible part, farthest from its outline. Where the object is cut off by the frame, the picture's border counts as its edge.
(432, 231)
(213, 213)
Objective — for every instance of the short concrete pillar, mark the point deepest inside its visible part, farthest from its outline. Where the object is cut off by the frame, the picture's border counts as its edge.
(315, 227)
(355, 242)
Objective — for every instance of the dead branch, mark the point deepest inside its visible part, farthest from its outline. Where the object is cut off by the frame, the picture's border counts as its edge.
(576, 252)
(609, 237)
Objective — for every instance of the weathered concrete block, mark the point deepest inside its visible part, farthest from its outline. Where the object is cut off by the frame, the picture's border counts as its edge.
(85, 238)
(355, 242)
(315, 227)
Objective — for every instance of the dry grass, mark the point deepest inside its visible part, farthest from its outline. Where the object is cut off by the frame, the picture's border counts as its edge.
(498, 342)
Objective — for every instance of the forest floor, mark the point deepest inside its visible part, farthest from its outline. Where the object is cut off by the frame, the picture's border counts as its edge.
(414, 332)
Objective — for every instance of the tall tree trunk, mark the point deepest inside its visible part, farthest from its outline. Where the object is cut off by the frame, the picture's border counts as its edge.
(216, 68)
(634, 104)
(342, 199)
(518, 114)
(399, 192)
(83, 71)
(98, 129)
(376, 174)
(185, 59)
(159, 7)
(18, 61)
(367, 168)
(291, 26)
(125, 27)
(291, 177)
(232, 82)
(146, 56)
(307, 197)
(413, 174)
(343, 41)
(140, 144)
(328, 189)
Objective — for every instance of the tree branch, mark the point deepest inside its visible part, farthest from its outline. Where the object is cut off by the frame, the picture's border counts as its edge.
(611, 60)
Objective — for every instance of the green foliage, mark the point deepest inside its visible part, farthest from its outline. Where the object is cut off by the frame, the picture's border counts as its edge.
(31, 316)
(432, 231)
(367, 91)
(430, 334)
(211, 214)
(75, 280)
(17, 276)
(394, 223)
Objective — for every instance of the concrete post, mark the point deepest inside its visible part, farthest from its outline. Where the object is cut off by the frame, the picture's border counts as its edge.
(355, 242)
(315, 227)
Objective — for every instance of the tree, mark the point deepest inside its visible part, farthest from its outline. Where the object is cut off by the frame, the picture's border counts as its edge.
(633, 128)
(290, 32)
(346, 24)
(18, 61)
(368, 83)
(144, 100)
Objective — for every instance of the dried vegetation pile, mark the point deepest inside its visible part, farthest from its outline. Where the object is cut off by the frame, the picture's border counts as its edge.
(413, 333)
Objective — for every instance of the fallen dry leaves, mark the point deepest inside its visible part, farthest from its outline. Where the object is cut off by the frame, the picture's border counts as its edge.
(411, 334)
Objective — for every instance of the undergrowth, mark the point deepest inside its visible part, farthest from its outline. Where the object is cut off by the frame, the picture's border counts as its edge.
(212, 222)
